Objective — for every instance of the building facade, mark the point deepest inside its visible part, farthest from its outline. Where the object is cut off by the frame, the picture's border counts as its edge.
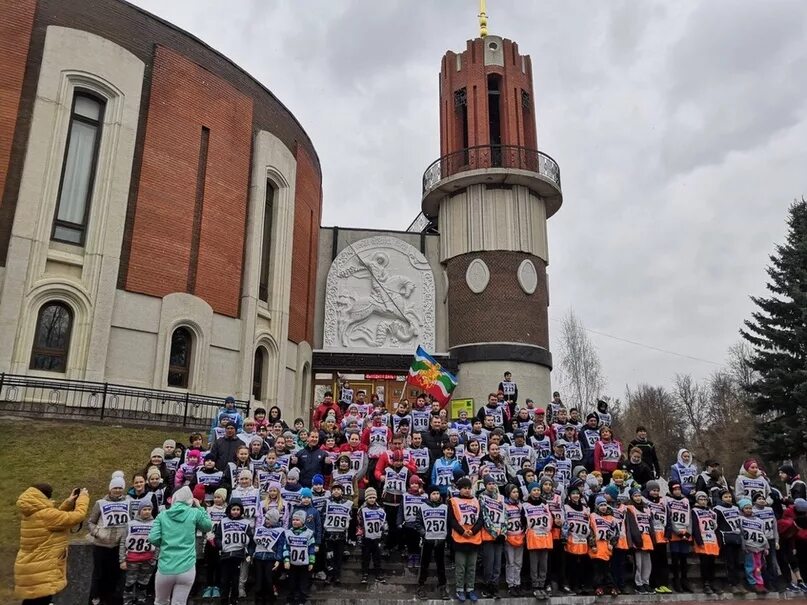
(150, 193)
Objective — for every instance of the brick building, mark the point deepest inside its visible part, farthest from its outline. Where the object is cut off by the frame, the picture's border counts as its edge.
(149, 191)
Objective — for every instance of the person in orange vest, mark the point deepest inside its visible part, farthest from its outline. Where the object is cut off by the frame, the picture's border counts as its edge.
(575, 534)
(557, 558)
(540, 523)
(465, 521)
(641, 537)
(602, 540)
(616, 500)
(493, 536)
(679, 535)
(704, 537)
(514, 539)
(659, 577)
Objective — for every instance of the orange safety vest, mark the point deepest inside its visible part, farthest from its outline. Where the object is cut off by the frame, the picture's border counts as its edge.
(466, 512)
(619, 518)
(659, 512)
(539, 526)
(602, 529)
(643, 520)
(707, 524)
(577, 525)
(556, 508)
(515, 525)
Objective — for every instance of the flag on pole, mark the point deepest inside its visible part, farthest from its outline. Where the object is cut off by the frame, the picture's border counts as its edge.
(429, 376)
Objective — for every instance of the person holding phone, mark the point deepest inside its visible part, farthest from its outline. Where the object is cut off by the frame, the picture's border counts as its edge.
(40, 570)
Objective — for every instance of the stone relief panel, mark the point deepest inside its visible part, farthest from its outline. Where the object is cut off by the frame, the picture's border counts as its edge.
(379, 296)
(477, 276)
(527, 276)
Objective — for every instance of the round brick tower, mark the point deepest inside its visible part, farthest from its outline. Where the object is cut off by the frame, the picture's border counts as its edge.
(490, 195)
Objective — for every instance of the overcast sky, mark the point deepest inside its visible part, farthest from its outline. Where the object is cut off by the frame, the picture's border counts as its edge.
(679, 127)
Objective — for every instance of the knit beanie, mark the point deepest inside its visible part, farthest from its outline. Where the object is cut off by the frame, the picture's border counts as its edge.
(144, 503)
(222, 493)
(699, 495)
(533, 485)
(199, 492)
(652, 484)
(746, 502)
(169, 443)
(153, 472)
(299, 515)
(612, 491)
(272, 517)
(245, 473)
(194, 454)
(592, 482)
(577, 470)
(370, 491)
(747, 464)
(306, 493)
(788, 469)
(183, 494)
(117, 480)
(634, 491)
(158, 451)
(800, 505)
(293, 474)
(600, 500)
(318, 480)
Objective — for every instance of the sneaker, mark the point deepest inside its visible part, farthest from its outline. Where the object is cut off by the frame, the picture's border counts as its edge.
(666, 589)
(215, 592)
(760, 589)
(487, 593)
(442, 591)
(599, 592)
(802, 586)
(473, 597)
(381, 579)
(566, 590)
(320, 575)
(540, 594)
(707, 589)
(614, 592)
(364, 578)
(421, 592)
(206, 593)
(460, 596)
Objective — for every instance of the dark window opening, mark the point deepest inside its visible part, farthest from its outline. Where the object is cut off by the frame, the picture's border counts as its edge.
(494, 121)
(257, 373)
(266, 242)
(461, 107)
(179, 364)
(78, 169)
(54, 325)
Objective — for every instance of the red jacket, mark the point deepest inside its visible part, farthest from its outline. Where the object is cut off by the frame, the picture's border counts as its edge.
(322, 411)
(365, 440)
(384, 462)
(605, 466)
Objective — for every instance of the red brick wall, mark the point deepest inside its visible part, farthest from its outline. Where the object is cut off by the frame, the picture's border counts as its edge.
(184, 98)
(16, 23)
(518, 126)
(307, 211)
(503, 312)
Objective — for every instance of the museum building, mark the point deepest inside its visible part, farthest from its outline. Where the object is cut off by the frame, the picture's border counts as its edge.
(150, 190)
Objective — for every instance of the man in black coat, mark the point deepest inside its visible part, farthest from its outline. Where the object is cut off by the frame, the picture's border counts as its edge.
(311, 460)
(434, 439)
(225, 448)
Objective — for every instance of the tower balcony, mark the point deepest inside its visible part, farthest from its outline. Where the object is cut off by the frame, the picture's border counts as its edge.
(492, 165)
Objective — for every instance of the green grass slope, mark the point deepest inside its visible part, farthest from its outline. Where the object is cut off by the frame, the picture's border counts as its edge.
(66, 455)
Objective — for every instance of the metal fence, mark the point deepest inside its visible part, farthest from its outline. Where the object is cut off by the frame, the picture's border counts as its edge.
(54, 397)
(491, 156)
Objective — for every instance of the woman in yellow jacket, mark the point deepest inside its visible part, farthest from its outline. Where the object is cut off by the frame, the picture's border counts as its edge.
(40, 570)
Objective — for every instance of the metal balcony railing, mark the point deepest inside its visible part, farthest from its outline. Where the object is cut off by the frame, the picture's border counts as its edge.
(57, 397)
(491, 156)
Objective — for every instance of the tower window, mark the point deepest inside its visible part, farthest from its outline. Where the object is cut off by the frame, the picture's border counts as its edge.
(78, 169)
(257, 373)
(461, 107)
(52, 337)
(494, 121)
(266, 242)
(179, 364)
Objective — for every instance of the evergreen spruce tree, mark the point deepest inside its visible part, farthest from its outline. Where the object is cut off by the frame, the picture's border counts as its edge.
(778, 334)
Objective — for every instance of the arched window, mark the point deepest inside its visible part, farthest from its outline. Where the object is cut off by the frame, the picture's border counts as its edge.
(52, 337)
(257, 373)
(179, 364)
(78, 169)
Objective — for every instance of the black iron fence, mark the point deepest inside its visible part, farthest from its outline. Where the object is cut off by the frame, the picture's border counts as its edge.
(54, 397)
(491, 156)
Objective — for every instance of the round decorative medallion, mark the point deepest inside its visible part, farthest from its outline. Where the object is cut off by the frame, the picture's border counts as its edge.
(527, 276)
(477, 276)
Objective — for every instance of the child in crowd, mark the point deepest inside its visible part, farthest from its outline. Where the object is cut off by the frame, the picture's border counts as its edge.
(372, 525)
(704, 538)
(755, 545)
(233, 539)
(730, 540)
(602, 540)
(186, 471)
(270, 542)
(659, 576)
(678, 533)
(493, 536)
(539, 524)
(108, 524)
(216, 510)
(408, 519)
(466, 522)
(432, 526)
(137, 555)
(336, 522)
(641, 535)
(514, 539)
(576, 529)
(299, 557)
(210, 477)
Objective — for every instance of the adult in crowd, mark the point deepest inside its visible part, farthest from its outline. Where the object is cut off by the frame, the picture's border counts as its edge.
(225, 448)
(40, 570)
(311, 460)
(435, 439)
(327, 405)
(174, 533)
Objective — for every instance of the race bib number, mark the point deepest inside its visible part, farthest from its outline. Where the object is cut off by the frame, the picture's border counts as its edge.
(420, 421)
(468, 514)
(337, 517)
(373, 523)
(114, 514)
(435, 521)
(266, 538)
(137, 538)
(298, 548)
(234, 536)
(411, 506)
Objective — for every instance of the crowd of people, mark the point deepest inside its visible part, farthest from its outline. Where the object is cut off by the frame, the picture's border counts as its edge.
(540, 500)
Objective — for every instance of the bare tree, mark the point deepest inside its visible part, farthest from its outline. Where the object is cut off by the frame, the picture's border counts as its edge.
(583, 381)
(693, 401)
(739, 364)
(656, 409)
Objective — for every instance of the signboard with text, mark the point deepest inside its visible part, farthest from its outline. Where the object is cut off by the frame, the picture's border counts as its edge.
(462, 404)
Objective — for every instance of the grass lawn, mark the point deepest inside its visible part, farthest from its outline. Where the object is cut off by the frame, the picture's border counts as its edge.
(66, 455)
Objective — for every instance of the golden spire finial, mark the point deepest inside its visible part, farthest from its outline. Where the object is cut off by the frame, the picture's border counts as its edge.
(483, 20)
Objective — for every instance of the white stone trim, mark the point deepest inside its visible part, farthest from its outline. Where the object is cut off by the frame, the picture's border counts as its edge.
(527, 276)
(271, 160)
(477, 276)
(72, 59)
